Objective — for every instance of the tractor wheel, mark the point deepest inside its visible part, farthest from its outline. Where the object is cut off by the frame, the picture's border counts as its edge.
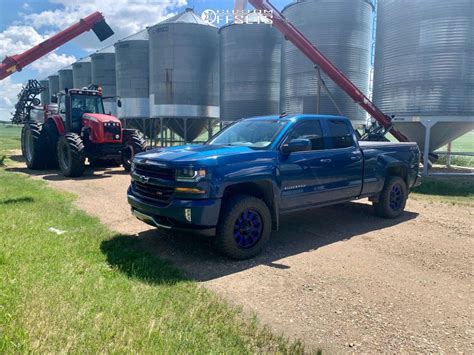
(134, 143)
(71, 155)
(33, 144)
(52, 137)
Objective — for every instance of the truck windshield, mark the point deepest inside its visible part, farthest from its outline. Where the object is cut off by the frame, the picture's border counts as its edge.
(250, 133)
(87, 104)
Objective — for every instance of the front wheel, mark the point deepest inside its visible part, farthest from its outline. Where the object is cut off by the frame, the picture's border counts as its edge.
(392, 199)
(244, 227)
(134, 143)
(71, 155)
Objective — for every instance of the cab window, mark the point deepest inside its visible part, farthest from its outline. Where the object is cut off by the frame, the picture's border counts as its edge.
(339, 134)
(309, 130)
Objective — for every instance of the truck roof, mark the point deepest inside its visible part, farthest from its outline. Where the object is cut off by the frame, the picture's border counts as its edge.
(296, 117)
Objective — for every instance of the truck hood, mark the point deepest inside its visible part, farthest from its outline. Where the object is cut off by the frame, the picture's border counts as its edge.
(202, 155)
(99, 117)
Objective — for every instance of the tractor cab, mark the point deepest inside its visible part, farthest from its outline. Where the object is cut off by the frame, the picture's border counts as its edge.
(82, 112)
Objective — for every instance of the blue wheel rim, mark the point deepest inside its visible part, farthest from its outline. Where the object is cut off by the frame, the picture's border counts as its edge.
(248, 229)
(396, 197)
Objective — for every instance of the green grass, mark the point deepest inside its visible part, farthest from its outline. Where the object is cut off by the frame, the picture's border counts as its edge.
(454, 189)
(89, 290)
(10, 137)
(9, 140)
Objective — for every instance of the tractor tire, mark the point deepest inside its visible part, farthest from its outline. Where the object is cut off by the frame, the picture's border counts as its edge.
(392, 199)
(71, 155)
(134, 143)
(33, 144)
(52, 137)
(244, 227)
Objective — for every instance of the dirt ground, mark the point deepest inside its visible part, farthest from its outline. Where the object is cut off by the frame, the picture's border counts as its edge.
(338, 278)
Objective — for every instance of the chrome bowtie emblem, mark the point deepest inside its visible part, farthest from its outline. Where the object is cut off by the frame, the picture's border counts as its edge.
(143, 179)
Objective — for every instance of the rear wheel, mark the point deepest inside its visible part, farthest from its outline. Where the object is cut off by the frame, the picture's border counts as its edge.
(71, 155)
(244, 227)
(392, 199)
(134, 143)
(33, 144)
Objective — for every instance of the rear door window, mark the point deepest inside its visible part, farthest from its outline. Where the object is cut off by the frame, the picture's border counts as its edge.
(339, 134)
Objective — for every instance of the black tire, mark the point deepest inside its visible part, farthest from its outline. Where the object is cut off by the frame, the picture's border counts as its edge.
(33, 144)
(233, 238)
(71, 155)
(392, 199)
(52, 137)
(134, 143)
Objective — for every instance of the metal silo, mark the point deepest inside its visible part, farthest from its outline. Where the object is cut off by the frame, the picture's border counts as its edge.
(45, 97)
(53, 84)
(250, 63)
(65, 78)
(424, 67)
(131, 70)
(103, 74)
(82, 73)
(184, 73)
(341, 29)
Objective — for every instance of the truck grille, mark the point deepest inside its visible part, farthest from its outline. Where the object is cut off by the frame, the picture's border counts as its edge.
(155, 171)
(153, 192)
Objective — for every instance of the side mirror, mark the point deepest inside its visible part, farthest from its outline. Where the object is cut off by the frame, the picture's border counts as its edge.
(296, 145)
(119, 103)
(54, 99)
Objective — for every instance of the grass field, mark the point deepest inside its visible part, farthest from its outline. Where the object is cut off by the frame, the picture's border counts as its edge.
(10, 137)
(89, 290)
(456, 190)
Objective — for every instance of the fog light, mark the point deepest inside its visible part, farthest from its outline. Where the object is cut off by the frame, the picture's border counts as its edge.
(187, 214)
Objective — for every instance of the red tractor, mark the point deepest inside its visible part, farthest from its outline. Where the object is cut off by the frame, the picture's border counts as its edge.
(76, 128)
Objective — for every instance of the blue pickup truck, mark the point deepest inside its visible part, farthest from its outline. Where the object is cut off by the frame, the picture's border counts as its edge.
(237, 184)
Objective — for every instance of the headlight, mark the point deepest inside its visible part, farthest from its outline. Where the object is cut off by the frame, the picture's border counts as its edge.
(190, 174)
(132, 167)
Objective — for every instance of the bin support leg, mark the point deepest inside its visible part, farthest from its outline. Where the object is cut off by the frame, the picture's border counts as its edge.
(426, 151)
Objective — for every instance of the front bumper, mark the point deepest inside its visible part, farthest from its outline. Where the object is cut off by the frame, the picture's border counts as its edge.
(204, 213)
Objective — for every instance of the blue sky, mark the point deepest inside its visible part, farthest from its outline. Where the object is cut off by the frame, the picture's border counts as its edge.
(28, 22)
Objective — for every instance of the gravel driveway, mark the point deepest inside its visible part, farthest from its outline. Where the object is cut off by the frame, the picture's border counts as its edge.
(338, 278)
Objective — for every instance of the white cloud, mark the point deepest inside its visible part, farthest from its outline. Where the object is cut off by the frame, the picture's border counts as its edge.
(8, 97)
(124, 16)
(52, 63)
(16, 39)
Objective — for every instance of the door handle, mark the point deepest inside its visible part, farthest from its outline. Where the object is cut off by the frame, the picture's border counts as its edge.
(325, 160)
(355, 158)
